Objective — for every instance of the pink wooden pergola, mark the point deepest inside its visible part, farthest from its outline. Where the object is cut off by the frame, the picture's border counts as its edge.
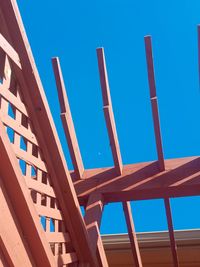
(35, 182)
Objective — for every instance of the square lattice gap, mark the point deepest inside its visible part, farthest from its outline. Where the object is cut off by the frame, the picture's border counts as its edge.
(22, 165)
(113, 220)
(11, 111)
(43, 222)
(11, 134)
(185, 211)
(82, 210)
(149, 215)
(23, 143)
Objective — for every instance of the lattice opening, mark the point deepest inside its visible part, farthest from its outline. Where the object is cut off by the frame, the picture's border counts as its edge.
(43, 200)
(33, 172)
(22, 165)
(23, 143)
(44, 178)
(11, 111)
(11, 134)
(2, 60)
(43, 222)
(34, 195)
(25, 121)
(53, 203)
(52, 225)
(35, 151)
(82, 210)
(52, 245)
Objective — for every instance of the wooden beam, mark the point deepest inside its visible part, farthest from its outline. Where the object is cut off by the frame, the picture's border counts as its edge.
(12, 241)
(132, 234)
(171, 232)
(154, 101)
(5, 260)
(2, 65)
(143, 181)
(67, 120)
(108, 112)
(93, 214)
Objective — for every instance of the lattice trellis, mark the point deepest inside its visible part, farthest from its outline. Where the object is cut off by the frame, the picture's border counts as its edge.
(15, 117)
(33, 162)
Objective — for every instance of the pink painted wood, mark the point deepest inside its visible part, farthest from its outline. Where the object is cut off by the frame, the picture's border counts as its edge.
(108, 112)
(67, 120)
(154, 101)
(171, 232)
(132, 234)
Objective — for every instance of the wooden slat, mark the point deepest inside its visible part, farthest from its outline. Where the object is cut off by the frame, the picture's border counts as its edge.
(4, 256)
(108, 111)
(2, 65)
(54, 237)
(5, 69)
(154, 101)
(28, 166)
(11, 240)
(10, 97)
(171, 232)
(29, 158)
(4, 106)
(22, 203)
(39, 187)
(65, 258)
(67, 120)
(9, 50)
(48, 212)
(19, 128)
(132, 234)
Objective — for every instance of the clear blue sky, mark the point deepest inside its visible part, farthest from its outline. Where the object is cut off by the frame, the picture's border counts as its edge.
(72, 30)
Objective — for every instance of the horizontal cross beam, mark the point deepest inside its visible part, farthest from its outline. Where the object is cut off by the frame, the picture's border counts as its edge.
(142, 181)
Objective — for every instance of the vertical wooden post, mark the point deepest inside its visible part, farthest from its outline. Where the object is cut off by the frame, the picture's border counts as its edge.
(108, 111)
(132, 234)
(67, 121)
(154, 101)
(171, 232)
(93, 216)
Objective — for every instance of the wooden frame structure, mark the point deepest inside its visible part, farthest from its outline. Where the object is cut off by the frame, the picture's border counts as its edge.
(35, 182)
(32, 181)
